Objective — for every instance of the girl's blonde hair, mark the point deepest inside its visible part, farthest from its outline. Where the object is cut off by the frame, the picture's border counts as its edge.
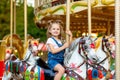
(61, 25)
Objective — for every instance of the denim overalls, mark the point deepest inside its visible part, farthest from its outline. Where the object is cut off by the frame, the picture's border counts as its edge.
(57, 58)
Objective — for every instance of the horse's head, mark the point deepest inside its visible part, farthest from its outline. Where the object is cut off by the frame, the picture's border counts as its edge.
(106, 44)
(33, 46)
(103, 51)
(16, 43)
(31, 51)
(88, 47)
(10, 54)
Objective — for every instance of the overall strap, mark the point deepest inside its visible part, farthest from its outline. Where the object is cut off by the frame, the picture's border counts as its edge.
(55, 41)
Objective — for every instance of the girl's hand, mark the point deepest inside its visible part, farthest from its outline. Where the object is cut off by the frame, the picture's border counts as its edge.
(69, 33)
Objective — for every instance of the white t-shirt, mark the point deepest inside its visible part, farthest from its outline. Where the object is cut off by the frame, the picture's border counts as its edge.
(51, 41)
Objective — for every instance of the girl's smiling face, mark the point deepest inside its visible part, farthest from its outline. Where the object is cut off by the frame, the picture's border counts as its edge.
(55, 30)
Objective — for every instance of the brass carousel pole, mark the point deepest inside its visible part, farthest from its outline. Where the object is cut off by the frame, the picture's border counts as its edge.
(117, 36)
(14, 16)
(67, 18)
(36, 2)
(25, 21)
(11, 21)
(89, 16)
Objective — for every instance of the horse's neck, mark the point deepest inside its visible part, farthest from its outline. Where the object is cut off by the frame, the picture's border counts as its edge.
(27, 55)
(73, 45)
(101, 51)
(30, 58)
(103, 46)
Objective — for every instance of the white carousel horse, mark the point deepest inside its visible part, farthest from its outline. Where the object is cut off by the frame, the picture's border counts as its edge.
(81, 51)
(104, 50)
(31, 52)
(37, 69)
(32, 71)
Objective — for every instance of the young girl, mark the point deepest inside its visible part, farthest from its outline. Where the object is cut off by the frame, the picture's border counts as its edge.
(56, 48)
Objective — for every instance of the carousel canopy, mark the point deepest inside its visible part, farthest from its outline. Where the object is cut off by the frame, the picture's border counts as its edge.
(102, 15)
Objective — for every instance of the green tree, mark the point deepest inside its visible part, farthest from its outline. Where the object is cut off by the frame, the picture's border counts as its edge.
(32, 29)
(4, 18)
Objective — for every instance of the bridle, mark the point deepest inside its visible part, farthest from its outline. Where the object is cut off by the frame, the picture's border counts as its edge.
(107, 45)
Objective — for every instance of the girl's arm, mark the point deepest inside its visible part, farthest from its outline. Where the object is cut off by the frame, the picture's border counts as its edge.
(56, 50)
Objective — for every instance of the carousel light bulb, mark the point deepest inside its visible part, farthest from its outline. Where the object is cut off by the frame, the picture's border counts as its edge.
(15, 51)
(41, 53)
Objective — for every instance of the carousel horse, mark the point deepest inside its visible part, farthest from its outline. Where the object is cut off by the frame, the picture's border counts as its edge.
(37, 68)
(103, 51)
(78, 55)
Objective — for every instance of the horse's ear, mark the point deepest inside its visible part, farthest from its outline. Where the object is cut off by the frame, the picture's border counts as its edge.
(111, 35)
(29, 43)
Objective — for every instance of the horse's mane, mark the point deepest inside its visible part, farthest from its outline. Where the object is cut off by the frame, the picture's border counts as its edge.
(97, 42)
(5, 39)
(26, 45)
(16, 43)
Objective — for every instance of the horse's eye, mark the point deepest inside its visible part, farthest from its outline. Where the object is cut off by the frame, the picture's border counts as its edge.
(85, 47)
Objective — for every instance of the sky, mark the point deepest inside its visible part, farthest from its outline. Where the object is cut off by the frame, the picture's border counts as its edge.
(30, 2)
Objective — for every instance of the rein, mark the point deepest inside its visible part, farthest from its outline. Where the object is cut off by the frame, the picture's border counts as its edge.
(106, 45)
